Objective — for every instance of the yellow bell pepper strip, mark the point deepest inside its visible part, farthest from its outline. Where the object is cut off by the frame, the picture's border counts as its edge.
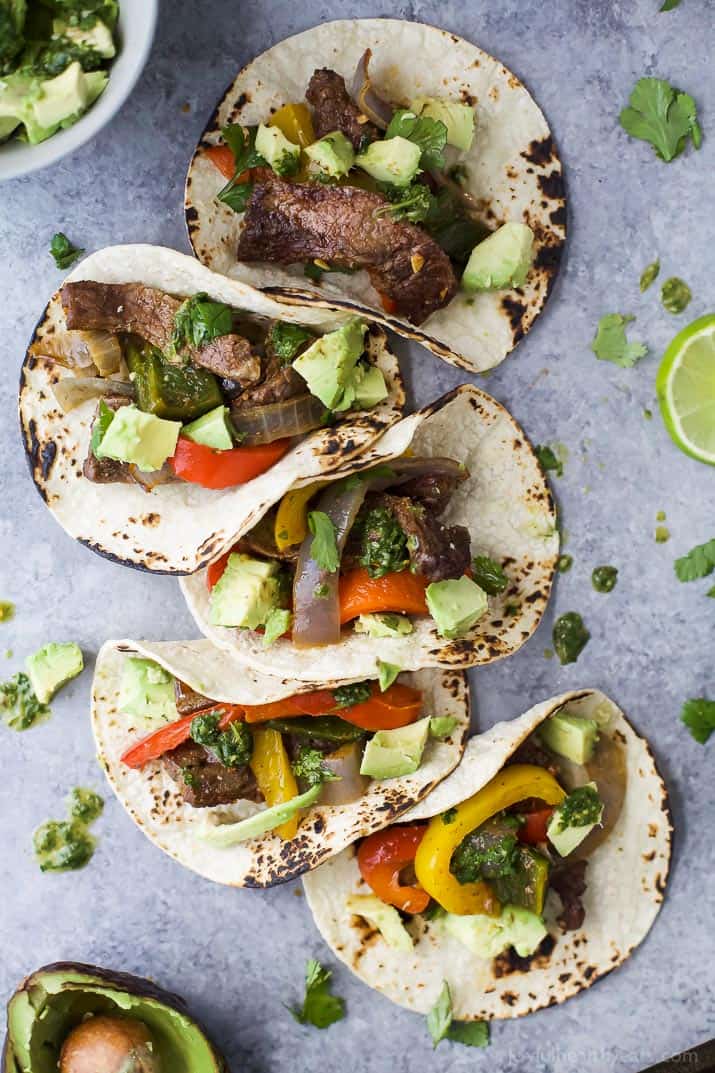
(515, 783)
(295, 121)
(291, 524)
(274, 774)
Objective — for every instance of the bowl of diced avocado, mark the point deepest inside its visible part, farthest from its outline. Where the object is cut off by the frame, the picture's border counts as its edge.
(66, 67)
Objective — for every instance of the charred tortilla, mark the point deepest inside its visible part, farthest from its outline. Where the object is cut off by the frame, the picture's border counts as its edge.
(513, 172)
(626, 879)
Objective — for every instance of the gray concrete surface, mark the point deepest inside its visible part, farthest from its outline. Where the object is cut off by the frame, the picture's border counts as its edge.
(237, 956)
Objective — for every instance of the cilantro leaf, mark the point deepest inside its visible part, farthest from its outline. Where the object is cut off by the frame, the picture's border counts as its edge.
(662, 115)
(20, 707)
(699, 562)
(440, 1016)
(429, 134)
(388, 672)
(711, 592)
(285, 340)
(198, 320)
(698, 714)
(319, 1008)
(412, 202)
(548, 460)
(610, 343)
(649, 273)
(668, 5)
(324, 547)
(242, 144)
(470, 1033)
(310, 766)
(489, 574)
(101, 423)
(64, 253)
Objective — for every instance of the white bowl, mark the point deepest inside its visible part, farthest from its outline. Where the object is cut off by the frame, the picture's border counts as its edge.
(137, 21)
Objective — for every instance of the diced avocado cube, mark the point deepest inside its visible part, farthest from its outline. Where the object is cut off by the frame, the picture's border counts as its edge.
(97, 38)
(142, 439)
(213, 429)
(278, 151)
(370, 387)
(383, 917)
(332, 156)
(574, 819)
(246, 593)
(146, 691)
(501, 261)
(384, 625)
(487, 936)
(392, 753)
(570, 736)
(393, 160)
(328, 363)
(457, 117)
(52, 666)
(455, 605)
(60, 101)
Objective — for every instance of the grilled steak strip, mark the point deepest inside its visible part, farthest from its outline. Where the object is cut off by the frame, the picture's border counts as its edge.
(434, 490)
(204, 781)
(334, 109)
(436, 551)
(188, 700)
(107, 470)
(148, 312)
(569, 882)
(287, 223)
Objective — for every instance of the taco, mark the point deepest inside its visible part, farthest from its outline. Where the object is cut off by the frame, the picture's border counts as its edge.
(251, 780)
(163, 407)
(537, 867)
(436, 548)
(390, 167)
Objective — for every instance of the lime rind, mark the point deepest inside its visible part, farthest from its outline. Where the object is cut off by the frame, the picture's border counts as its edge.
(685, 386)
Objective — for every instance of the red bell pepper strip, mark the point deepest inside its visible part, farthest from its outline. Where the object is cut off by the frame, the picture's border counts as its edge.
(221, 156)
(381, 858)
(174, 734)
(199, 464)
(535, 824)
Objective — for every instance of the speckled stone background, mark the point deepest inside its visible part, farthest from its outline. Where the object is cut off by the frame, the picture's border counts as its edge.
(238, 956)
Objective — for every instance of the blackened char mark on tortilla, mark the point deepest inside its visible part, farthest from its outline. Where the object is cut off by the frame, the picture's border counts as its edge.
(204, 781)
(150, 313)
(334, 109)
(286, 223)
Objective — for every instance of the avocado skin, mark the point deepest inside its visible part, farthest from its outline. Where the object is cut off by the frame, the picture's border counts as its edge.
(117, 981)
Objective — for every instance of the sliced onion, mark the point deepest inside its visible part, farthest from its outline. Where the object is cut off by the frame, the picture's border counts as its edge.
(316, 608)
(468, 202)
(80, 350)
(149, 481)
(374, 107)
(407, 468)
(71, 392)
(279, 420)
(607, 768)
(350, 785)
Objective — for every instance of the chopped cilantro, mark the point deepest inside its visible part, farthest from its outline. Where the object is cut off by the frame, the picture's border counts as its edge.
(611, 344)
(101, 423)
(569, 637)
(313, 271)
(231, 747)
(319, 1008)
(698, 714)
(412, 202)
(675, 295)
(489, 575)
(64, 253)
(582, 807)
(548, 459)
(489, 852)
(310, 766)
(351, 694)
(285, 340)
(662, 115)
(198, 320)
(669, 5)
(20, 707)
(699, 562)
(441, 1025)
(429, 134)
(383, 542)
(242, 144)
(649, 274)
(323, 547)
(711, 592)
(449, 816)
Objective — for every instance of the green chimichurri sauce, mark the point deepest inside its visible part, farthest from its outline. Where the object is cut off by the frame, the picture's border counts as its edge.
(569, 637)
(66, 845)
(7, 610)
(604, 578)
(581, 807)
(564, 563)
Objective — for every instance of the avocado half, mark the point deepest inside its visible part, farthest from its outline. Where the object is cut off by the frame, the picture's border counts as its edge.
(52, 1000)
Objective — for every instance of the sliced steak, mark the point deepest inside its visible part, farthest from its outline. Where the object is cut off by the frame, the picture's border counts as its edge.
(530, 752)
(334, 109)
(434, 490)
(149, 313)
(436, 551)
(107, 470)
(204, 781)
(279, 385)
(287, 223)
(569, 882)
(188, 700)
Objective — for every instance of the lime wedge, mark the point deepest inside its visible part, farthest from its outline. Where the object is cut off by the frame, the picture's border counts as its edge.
(686, 389)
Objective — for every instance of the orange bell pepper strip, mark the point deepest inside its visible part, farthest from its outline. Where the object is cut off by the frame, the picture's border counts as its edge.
(277, 709)
(397, 707)
(381, 858)
(175, 734)
(361, 594)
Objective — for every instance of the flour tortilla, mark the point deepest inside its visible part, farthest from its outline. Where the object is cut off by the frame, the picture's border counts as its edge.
(155, 804)
(507, 507)
(514, 172)
(178, 527)
(626, 878)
